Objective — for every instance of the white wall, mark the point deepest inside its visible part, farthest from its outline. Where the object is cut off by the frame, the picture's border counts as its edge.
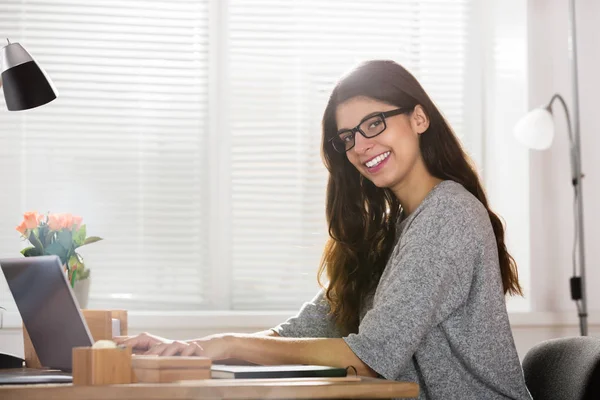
(505, 159)
(551, 194)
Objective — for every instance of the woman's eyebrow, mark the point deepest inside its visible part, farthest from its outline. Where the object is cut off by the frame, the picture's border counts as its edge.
(366, 117)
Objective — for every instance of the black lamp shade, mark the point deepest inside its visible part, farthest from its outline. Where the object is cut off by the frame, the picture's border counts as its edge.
(24, 82)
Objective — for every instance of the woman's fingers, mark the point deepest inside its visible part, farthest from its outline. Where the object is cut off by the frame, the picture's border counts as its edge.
(143, 341)
(193, 349)
(157, 349)
(175, 348)
(120, 339)
(148, 344)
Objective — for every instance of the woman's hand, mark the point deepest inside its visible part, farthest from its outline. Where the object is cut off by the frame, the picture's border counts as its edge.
(148, 344)
(215, 347)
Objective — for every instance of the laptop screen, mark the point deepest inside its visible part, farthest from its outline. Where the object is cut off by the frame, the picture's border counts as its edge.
(48, 308)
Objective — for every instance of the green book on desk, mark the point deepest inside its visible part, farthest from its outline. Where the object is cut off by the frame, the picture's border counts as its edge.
(274, 371)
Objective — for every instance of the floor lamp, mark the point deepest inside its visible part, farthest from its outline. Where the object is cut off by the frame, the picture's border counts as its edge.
(536, 130)
(24, 82)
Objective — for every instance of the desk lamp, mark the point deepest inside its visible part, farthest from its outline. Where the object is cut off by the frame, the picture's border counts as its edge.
(24, 82)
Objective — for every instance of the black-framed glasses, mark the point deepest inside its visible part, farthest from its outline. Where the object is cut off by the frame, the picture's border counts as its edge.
(370, 126)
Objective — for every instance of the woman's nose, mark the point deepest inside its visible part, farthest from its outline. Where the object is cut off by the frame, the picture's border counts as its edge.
(361, 143)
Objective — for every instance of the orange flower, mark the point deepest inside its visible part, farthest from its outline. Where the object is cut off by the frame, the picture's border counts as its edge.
(54, 222)
(22, 228)
(31, 219)
(67, 221)
(77, 220)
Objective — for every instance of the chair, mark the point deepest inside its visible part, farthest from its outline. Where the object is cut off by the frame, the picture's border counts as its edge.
(566, 368)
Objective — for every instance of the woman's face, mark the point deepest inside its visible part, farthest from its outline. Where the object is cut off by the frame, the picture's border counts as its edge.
(391, 157)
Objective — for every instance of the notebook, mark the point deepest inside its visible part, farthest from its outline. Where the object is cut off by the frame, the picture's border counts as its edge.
(275, 371)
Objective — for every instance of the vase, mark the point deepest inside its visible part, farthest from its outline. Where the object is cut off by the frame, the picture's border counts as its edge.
(82, 292)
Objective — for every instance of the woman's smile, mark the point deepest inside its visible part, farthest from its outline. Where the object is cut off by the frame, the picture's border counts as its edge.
(376, 163)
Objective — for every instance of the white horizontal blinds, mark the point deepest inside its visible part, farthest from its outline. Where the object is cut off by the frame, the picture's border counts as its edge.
(276, 235)
(285, 59)
(123, 144)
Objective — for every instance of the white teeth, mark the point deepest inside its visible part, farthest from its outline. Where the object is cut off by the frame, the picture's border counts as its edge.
(375, 161)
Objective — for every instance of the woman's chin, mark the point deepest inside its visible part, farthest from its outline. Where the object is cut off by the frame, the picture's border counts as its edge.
(381, 183)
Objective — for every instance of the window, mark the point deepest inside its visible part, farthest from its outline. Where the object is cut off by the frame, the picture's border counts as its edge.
(187, 134)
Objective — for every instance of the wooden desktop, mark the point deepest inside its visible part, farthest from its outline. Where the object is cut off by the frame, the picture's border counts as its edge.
(300, 388)
(99, 322)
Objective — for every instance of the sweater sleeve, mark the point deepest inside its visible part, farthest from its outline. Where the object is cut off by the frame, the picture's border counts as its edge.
(428, 279)
(311, 321)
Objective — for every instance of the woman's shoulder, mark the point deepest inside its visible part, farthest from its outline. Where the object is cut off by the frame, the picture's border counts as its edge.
(449, 206)
(453, 198)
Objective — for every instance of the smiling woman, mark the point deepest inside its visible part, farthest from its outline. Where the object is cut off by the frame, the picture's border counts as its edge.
(416, 262)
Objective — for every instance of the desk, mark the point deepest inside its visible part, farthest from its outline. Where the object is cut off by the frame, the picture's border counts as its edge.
(302, 388)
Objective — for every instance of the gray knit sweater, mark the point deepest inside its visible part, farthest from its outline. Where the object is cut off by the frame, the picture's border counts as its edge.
(438, 316)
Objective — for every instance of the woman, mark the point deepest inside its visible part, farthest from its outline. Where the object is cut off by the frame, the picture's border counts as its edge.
(416, 262)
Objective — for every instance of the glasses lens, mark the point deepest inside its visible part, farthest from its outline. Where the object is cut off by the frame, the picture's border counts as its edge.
(373, 126)
(346, 140)
(338, 145)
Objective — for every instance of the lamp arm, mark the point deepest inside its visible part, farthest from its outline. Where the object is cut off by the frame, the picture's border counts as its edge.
(574, 152)
(558, 97)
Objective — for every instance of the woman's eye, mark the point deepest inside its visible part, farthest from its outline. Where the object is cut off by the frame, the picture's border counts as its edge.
(346, 137)
(374, 124)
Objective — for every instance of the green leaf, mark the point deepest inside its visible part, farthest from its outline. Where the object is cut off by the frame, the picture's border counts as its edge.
(65, 238)
(73, 278)
(31, 252)
(75, 261)
(83, 275)
(43, 235)
(49, 238)
(57, 249)
(92, 239)
(36, 242)
(79, 236)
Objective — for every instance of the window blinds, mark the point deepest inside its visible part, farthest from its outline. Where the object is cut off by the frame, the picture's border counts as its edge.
(122, 145)
(144, 102)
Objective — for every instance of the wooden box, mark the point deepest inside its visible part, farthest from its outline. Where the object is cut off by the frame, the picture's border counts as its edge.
(155, 369)
(93, 367)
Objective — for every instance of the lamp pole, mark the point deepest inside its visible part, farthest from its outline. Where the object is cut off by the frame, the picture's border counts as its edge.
(577, 178)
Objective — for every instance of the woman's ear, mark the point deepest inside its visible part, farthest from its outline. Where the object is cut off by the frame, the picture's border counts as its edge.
(419, 120)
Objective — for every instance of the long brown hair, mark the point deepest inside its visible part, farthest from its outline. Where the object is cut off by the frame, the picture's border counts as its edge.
(362, 218)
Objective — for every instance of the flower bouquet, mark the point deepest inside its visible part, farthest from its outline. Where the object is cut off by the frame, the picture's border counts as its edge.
(57, 234)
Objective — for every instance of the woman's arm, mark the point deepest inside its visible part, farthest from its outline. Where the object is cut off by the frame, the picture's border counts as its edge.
(257, 349)
(266, 350)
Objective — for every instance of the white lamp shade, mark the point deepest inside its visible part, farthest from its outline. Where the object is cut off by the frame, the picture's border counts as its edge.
(536, 129)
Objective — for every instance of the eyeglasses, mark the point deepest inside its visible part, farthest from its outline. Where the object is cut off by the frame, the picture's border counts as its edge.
(370, 126)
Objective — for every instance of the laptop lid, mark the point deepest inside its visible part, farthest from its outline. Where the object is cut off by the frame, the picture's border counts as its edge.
(48, 308)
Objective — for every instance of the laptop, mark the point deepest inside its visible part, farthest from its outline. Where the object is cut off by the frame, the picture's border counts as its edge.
(51, 315)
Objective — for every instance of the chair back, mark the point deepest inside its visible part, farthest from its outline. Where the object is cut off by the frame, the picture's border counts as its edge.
(565, 368)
